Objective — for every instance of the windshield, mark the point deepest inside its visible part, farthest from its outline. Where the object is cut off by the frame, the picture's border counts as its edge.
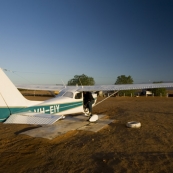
(61, 93)
(65, 94)
(68, 94)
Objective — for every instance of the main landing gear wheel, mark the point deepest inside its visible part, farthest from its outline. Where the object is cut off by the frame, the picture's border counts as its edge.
(62, 117)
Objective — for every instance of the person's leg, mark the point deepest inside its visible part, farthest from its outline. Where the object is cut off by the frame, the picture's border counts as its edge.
(90, 107)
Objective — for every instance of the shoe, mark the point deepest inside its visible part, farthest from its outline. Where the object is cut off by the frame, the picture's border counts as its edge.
(88, 114)
(89, 117)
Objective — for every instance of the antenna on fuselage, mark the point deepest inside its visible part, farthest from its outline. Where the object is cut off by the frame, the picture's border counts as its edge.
(63, 83)
(80, 82)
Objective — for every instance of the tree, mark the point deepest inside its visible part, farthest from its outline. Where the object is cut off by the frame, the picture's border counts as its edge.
(124, 80)
(81, 80)
(158, 91)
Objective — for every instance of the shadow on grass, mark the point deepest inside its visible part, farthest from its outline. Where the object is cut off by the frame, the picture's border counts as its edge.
(26, 129)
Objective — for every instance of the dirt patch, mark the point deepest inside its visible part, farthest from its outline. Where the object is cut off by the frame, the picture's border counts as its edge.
(113, 149)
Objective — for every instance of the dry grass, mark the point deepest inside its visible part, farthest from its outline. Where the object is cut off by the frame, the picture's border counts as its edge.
(113, 149)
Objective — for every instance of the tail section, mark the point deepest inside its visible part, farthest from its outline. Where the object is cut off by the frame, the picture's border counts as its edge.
(4, 110)
(11, 100)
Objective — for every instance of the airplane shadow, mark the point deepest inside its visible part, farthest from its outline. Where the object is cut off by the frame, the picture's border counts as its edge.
(26, 129)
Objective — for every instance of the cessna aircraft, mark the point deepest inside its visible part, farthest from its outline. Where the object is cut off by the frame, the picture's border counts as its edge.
(14, 108)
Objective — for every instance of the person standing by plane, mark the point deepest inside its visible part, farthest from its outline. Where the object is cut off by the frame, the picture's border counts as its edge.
(88, 101)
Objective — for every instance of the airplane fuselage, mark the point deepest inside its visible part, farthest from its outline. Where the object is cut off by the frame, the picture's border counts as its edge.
(60, 105)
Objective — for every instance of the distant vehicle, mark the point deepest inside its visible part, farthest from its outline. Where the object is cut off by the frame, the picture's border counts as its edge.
(147, 92)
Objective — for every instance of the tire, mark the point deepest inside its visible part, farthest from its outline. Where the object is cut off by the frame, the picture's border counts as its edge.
(133, 124)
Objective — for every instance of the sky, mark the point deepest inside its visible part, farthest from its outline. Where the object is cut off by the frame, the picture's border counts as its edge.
(50, 41)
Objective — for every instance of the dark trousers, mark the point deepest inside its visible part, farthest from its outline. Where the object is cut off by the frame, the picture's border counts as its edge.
(89, 105)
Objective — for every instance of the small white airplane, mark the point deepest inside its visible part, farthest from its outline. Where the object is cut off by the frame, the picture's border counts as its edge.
(14, 108)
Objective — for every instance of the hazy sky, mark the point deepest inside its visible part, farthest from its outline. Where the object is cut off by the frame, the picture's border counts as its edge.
(47, 41)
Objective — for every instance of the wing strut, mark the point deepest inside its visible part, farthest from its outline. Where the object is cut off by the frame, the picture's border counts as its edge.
(106, 98)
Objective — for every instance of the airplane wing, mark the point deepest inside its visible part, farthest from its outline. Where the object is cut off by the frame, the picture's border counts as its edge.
(125, 87)
(97, 87)
(32, 118)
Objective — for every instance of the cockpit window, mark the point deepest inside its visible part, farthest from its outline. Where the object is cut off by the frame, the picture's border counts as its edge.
(68, 94)
(78, 96)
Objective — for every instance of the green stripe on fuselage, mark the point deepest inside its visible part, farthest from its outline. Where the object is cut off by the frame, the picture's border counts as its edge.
(48, 109)
(6, 112)
(53, 108)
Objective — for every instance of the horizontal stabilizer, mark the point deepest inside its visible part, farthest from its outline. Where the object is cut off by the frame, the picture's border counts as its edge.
(32, 118)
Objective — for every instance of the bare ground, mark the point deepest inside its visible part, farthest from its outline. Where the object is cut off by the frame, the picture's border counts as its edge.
(115, 148)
